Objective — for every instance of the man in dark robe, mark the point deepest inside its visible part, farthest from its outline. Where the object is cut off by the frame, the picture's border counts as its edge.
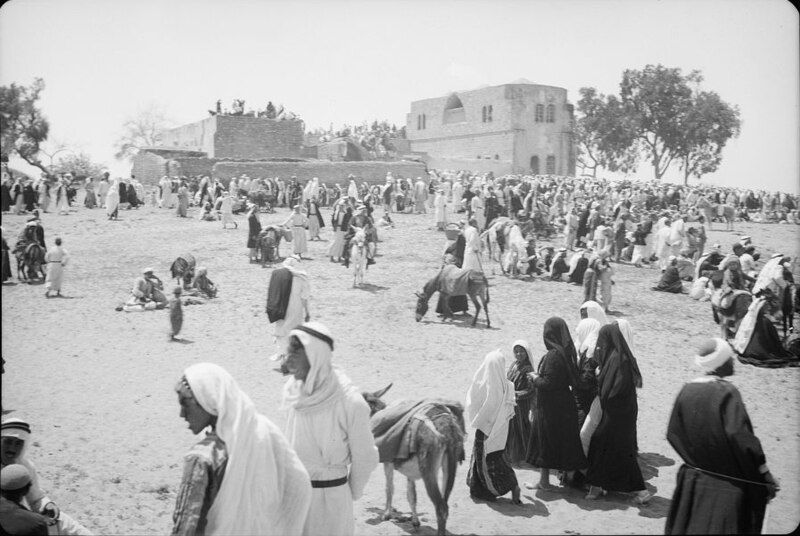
(724, 484)
(583, 227)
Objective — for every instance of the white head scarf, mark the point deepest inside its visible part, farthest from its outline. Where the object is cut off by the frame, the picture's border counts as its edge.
(324, 383)
(586, 336)
(627, 334)
(595, 310)
(266, 489)
(770, 275)
(490, 401)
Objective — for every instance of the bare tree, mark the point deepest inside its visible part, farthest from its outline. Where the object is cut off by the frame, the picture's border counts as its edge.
(141, 130)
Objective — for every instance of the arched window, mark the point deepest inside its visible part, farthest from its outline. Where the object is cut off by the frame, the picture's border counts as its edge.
(535, 165)
(551, 165)
(483, 114)
(489, 114)
(424, 118)
(454, 110)
(419, 122)
(539, 113)
(551, 113)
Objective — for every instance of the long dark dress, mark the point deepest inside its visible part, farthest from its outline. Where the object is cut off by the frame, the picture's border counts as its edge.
(555, 441)
(670, 281)
(577, 274)
(255, 228)
(587, 386)
(6, 264)
(613, 461)
(710, 429)
(5, 197)
(456, 303)
(489, 476)
(28, 197)
(519, 429)
(123, 192)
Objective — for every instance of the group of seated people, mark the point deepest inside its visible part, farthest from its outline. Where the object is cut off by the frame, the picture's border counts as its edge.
(148, 290)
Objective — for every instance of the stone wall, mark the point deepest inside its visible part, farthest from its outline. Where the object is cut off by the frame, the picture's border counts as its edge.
(257, 137)
(331, 172)
(228, 136)
(149, 167)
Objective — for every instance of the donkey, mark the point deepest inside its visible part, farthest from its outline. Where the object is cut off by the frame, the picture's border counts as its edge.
(182, 269)
(30, 262)
(477, 287)
(437, 444)
(358, 256)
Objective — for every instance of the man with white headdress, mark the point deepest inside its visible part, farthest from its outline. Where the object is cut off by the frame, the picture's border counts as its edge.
(724, 483)
(243, 477)
(14, 440)
(329, 427)
(287, 300)
(472, 248)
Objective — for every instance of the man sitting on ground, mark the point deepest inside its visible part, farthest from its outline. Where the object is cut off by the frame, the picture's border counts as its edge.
(14, 437)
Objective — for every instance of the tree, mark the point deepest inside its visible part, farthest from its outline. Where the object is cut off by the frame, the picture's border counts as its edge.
(603, 135)
(142, 130)
(23, 128)
(79, 164)
(657, 100)
(707, 127)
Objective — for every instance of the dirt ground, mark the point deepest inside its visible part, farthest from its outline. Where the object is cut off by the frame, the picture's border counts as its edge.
(97, 385)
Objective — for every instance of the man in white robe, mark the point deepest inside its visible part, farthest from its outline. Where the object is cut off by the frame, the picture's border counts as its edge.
(56, 258)
(472, 249)
(458, 191)
(328, 426)
(297, 310)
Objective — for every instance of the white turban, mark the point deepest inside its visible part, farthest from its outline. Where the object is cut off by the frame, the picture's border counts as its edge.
(711, 357)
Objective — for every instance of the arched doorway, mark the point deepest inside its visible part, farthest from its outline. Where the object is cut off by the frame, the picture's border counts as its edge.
(535, 165)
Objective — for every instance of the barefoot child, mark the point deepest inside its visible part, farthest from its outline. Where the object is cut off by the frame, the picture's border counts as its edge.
(175, 314)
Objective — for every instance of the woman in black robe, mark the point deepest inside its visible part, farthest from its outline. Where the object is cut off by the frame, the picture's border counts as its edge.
(457, 303)
(123, 193)
(670, 280)
(555, 441)
(132, 198)
(29, 196)
(519, 429)
(583, 227)
(613, 464)
(5, 196)
(6, 263)
(254, 229)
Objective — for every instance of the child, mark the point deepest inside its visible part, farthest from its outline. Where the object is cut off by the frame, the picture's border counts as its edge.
(175, 313)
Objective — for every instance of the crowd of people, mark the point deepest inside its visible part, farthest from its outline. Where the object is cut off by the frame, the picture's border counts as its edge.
(375, 138)
(571, 414)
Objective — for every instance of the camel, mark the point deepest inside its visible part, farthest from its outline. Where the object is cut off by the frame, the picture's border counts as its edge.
(436, 444)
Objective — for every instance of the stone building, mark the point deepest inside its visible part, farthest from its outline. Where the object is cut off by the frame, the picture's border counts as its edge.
(224, 145)
(511, 128)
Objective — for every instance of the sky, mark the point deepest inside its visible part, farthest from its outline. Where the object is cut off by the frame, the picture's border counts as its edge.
(345, 61)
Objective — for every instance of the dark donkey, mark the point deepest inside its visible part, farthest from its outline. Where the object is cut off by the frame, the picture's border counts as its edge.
(30, 262)
(182, 269)
(436, 443)
(453, 281)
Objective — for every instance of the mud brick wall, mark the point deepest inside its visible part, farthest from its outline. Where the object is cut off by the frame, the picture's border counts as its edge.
(330, 172)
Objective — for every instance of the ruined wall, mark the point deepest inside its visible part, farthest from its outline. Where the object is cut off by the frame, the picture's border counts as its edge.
(227, 136)
(149, 167)
(331, 172)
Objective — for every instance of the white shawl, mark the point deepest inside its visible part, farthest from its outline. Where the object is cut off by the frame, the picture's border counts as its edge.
(490, 401)
(266, 489)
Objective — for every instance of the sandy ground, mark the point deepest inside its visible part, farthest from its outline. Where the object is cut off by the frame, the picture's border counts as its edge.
(97, 385)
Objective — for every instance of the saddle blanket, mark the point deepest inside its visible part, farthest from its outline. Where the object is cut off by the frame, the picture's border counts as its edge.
(454, 280)
(395, 427)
